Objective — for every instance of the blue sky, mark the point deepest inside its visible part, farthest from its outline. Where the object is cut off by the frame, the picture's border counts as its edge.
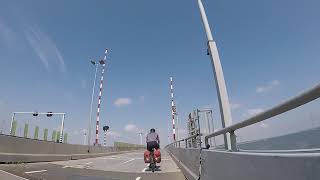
(269, 51)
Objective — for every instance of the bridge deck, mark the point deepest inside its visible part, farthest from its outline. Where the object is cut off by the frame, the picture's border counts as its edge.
(128, 166)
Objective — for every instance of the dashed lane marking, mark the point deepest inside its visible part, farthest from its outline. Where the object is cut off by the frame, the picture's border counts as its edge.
(144, 169)
(128, 161)
(85, 165)
(31, 172)
(12, 175)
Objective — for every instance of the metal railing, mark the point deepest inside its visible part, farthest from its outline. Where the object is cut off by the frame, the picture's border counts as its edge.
(178, 143)
(293, 103)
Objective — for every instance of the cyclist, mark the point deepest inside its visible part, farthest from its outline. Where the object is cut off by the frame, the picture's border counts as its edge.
(152, 140)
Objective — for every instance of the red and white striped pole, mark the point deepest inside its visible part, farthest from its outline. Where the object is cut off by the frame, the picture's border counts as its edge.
(103, 63)
(173, 110)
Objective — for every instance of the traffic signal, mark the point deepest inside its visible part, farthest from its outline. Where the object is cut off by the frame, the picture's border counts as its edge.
(105, 128)
(49, 114)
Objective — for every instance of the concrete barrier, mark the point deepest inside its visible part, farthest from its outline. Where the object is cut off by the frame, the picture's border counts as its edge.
(224, 165)
(262, 166)
(28, 158)
(188, 161)
(18, 149)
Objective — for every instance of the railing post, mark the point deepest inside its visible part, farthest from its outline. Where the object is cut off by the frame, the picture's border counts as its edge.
(206, 142)
(233, 139)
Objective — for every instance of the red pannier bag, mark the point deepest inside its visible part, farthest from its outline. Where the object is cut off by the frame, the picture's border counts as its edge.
(157, 155)
(147, 156)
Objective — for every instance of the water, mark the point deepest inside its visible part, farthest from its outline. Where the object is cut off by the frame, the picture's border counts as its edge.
(307, 139)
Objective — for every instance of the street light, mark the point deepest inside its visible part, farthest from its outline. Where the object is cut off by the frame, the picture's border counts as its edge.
(224, 105)
(208, 112)
(92, 95)
(140, 133)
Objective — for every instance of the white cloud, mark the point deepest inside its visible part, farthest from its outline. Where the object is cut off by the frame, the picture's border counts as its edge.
(235, 106)
(275, 82)
(208, 107)
(252, 112)
(122, 102)
(45, 48)
(268, 87)
(113, 134)
(132, 128)
(78, 132)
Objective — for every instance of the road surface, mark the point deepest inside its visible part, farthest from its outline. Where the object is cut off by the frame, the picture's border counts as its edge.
(128, 166)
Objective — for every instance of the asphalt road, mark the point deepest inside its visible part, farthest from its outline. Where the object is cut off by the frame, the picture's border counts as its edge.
(128, 166)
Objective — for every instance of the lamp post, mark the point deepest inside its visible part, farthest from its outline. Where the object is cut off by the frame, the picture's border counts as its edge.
(140, 133)
(85, 137)
(12, 119)
(92, 95)
(209, 113)
(224, 105)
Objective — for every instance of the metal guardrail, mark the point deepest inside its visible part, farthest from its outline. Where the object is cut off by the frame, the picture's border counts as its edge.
(293, 103)
(178, 143)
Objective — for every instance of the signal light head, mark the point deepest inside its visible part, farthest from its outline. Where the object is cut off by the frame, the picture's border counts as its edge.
(105, 128)
(49, 114)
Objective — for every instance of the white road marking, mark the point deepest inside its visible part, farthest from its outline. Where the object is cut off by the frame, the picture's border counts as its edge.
(161, 159)
(114, 156)
(110, 157)
(138, 178)
(85, 165)
(18, 177)
(30, 172)
(135, 153)
(144, 169)
(128, 161)
(165, 159)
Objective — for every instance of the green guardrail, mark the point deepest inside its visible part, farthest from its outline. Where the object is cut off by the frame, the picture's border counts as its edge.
(36, 133)
(54, 135)
(26, 130)
(13, 128)
(45, 134)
